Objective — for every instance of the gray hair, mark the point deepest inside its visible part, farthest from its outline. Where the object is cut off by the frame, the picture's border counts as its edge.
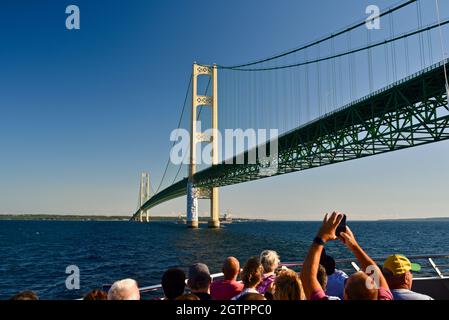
(269, 260)
(126, 289)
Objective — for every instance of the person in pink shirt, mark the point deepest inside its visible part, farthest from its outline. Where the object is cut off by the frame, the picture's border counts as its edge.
(270, 262)
(228, 287)
(368, 284)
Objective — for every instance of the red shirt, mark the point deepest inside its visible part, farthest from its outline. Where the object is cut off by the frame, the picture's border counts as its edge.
(225, 289)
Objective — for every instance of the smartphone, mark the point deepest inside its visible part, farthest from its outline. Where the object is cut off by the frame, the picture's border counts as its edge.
(341, 227)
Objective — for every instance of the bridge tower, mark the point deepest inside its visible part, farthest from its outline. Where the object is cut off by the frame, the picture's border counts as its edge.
(144, 195)
(193, 194)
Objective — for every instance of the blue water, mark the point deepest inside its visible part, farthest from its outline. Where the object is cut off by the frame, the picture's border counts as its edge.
(34, 254)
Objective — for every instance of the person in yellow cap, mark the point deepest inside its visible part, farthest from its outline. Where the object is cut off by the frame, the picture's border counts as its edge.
(397, 270)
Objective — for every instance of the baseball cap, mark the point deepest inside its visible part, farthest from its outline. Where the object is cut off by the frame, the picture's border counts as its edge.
(399, 264)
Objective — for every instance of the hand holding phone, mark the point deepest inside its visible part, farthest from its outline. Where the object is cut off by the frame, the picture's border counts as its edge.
(341, 227)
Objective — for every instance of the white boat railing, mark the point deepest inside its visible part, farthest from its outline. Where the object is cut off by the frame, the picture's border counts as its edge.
(428, 265)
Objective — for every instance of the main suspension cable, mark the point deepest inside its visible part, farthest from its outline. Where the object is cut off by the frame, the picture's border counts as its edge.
(197, 118)
(179, 125)
(377, 44)
(314, 43)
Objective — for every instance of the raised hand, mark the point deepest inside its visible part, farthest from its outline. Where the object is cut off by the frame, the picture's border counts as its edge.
(330, 224)
(348, 238)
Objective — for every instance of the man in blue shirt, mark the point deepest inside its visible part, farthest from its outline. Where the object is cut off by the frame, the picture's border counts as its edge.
(397, 270)
(336, 279)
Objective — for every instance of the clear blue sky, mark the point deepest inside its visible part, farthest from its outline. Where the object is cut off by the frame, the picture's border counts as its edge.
(83, 112)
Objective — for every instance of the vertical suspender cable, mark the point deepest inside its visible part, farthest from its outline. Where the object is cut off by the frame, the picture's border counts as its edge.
(292, 101)
(179, 124)
(334, 79)
(319, 82)
(407, 57)
(340, 80)
(393, 50)
(350, 67)
(307, 88)
(297, 89)
(370, 61)
(429, 45)
(421, 45)
(387, 64)
(328, 87)
(276, 100)
(354, 73)
(442, 46)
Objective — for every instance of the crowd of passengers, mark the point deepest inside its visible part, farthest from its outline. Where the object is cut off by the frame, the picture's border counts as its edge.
(262, 279)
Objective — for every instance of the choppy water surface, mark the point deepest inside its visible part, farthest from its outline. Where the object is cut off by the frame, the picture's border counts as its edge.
(34, 254)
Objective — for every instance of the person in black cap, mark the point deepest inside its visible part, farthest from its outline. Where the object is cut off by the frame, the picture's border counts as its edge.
(199, 281)
(336, 279)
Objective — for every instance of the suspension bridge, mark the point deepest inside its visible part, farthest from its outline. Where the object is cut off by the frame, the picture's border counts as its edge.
(354, 93)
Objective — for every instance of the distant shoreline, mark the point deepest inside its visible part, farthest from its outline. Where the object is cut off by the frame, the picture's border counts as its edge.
(73, 217)
(418, 219)
(60, 217)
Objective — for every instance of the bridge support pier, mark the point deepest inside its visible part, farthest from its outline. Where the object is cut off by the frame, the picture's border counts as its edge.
(214, 221)
(144, 195)
(198, 137)
(192, 224)
(192, 207)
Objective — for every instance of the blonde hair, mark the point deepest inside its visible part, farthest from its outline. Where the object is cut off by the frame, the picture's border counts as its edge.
(288, 286)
